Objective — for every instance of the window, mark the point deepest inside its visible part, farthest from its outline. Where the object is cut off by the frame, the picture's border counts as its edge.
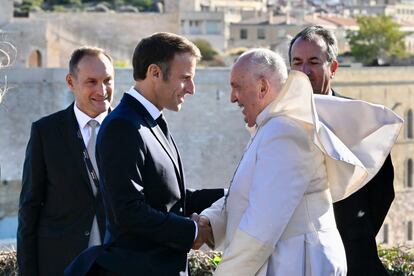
(409, 124)
(409, 174)
(385, 233)
(410, 231)
(261, 34)
(195, 27)
(213, 27)
(281, 33)
(243, 34)
(35, 59)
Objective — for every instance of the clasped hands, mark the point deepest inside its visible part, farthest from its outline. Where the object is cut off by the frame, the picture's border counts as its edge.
(205, 234)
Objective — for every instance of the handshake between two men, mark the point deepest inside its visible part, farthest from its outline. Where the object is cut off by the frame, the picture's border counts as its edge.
(205, 233)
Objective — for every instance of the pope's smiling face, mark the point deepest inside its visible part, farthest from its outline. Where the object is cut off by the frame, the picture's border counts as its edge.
(245, 89)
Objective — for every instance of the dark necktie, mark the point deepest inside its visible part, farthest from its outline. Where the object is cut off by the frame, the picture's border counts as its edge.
(163, 125)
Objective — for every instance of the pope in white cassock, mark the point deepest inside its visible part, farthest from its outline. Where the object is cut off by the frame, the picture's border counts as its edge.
(277, 218)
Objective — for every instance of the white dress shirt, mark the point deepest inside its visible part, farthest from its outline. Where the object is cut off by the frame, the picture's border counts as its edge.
(83, 120)
(155, 113)
(149, 106)
(85, 129)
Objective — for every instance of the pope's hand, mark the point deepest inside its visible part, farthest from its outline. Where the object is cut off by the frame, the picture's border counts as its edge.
(205, 234)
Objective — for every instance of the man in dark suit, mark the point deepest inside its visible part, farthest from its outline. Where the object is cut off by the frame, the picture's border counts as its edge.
(142, 178)
(360, 216)
(61, 210)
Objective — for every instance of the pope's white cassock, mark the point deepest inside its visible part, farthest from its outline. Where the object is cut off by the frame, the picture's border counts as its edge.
(305, 153)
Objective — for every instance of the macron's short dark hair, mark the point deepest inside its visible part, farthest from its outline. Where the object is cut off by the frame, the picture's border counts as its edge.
(160, 49)
(79, 53)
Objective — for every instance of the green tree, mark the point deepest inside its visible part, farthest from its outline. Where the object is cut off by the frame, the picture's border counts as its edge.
(207, 51)
(27, 5)
(378, 38)
(141, 4)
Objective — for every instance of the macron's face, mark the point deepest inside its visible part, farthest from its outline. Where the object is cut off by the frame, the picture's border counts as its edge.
(93, 84)
(180, 82)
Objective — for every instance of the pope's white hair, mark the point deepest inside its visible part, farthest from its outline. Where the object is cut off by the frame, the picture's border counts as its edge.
(267, 64)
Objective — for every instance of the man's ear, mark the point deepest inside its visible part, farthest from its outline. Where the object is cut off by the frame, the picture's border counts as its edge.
(69, 81)
(154, 71)
(333, 67)
(264, 88)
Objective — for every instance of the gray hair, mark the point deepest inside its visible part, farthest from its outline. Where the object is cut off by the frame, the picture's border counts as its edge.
(266, 63)
(313, 32)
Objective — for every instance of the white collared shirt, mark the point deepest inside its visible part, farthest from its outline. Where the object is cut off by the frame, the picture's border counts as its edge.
(149, 106)
(83, 120)
(155, 113)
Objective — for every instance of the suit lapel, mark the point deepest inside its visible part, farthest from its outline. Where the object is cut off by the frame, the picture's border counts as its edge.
(181, 170)
(69, 129)
(156, 131)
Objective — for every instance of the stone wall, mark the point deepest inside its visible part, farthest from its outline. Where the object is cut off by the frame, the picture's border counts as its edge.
(56, 35)
(6, 11)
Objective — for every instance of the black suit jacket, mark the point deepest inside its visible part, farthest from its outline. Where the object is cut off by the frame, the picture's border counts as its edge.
(146, 202)
(360, 216)
(57, 204)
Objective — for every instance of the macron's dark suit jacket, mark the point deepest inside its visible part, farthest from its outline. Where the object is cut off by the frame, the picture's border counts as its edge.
(146, 201)
(57, 205)
(360, 216)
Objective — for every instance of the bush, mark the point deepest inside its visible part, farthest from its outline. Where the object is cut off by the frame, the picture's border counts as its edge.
(398, 261)
(8, 263)
(207, 51)
(203, 263)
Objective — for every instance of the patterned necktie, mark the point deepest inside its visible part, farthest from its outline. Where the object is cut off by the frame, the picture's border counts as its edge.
(95, 237)
(91, 148)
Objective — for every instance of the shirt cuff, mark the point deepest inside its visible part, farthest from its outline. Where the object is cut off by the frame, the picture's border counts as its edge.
(196, 230)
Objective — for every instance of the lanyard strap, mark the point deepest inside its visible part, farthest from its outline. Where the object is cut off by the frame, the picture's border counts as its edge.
(87, 160)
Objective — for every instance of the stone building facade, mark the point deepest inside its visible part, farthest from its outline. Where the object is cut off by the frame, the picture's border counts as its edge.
(47, 39)
(394, 88)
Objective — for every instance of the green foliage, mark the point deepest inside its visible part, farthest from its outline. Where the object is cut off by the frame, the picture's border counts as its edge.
(203, 263)
(378, 37)
(236, 51)
(122, 63)
(398, 261)
(59, 8)
(142, 4)
(27, 5)
(207, 51)
(64, 5)
(52, 3)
